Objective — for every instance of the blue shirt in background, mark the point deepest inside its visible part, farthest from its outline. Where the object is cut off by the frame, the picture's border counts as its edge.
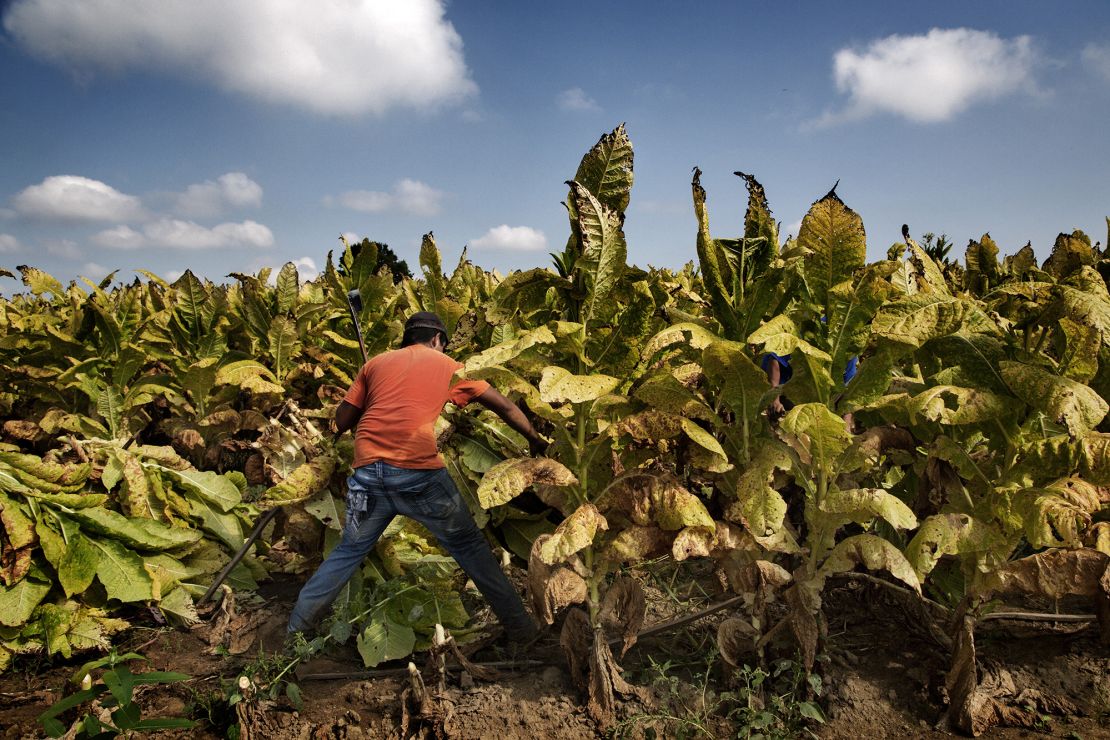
(786, 372)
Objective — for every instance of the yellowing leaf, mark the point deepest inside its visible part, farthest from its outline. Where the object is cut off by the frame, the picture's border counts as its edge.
(551, 588)
(506, 480)
(832, 233)
(939, 535)
(695, 335)
(760, 508)
(574, 533)
(636, 543)
(1056, 516)
(302, 484)
(648, 426)
(916, 319)
(873, 553)
(863, 504)
(558, 385)
(780, 335)
(1065, 401)
(502, 353)
(949, 404)
(712, 456)
(818, 432)
(693, 542)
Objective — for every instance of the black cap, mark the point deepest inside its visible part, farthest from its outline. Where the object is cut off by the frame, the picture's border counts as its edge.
(425, 320)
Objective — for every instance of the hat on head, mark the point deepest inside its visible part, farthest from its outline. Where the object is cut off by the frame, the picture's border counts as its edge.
(425, 320)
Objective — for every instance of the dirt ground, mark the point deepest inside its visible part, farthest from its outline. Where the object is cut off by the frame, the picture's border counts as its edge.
(881, 679)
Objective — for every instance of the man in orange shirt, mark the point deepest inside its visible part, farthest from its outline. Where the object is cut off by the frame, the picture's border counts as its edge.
(393, 406)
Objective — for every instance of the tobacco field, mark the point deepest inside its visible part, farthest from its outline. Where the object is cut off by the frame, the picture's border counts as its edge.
(955, 489)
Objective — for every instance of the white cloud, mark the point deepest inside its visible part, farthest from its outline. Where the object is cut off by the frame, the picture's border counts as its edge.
(514, 238)
(65, 248)
(119, 237)
(171, 276)
(95, 272)
(1097, 57)
(351, 237)
(213, 197)
(75, 198)
(306, 268)
(408, 196)
(178, 234)
(9, 243)
(576, 99)
(331, 56)
(931, 78)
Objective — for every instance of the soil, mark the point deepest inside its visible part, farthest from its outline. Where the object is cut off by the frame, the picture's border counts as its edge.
(883, 677)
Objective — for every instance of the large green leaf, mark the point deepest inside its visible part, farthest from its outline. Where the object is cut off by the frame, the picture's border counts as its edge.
(781, 336)
(137, 532)
(940, 535)
(18, 601)
(121, 571)
(970, 360)
(432, 265)
(40, 282)
(250, 375)
(693, 335)
(18, 527)
(604, 250)
(708, 453)
(225, 526)
(716, 270)
(1056, 516)
(738, 381)
(287, 287)
(759, 225)
(72, 627)
(383, 640)
(834, 237)
(606, 170)
(218, 490)
(80, 562)
(198, 381)
(955, 406)
(285, 344)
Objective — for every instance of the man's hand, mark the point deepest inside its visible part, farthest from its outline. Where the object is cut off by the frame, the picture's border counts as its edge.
(537, 446)
(515, 418)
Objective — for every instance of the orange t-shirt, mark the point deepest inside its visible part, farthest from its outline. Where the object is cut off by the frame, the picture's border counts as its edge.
(401, 394)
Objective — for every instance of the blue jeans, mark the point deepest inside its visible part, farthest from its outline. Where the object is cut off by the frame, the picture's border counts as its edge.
(429, 497)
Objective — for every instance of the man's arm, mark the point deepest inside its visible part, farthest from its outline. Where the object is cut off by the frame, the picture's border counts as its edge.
(514, 417)
(346, 417)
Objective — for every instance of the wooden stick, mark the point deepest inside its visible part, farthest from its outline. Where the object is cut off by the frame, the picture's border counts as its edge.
(1039, 617)
(895, 587)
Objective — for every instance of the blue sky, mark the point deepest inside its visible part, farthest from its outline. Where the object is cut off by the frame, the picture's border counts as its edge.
(226, 136)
